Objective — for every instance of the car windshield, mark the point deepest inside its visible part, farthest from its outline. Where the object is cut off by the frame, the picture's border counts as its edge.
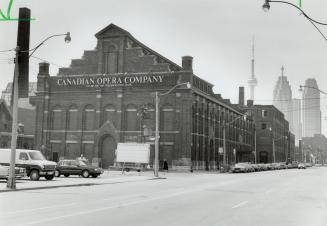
(242, 163)
(81, 163)
(36, 156)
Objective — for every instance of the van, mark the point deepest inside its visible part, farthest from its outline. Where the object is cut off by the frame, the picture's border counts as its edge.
(32, 160)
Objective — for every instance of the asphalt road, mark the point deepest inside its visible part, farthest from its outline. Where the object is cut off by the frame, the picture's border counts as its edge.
(285, 197)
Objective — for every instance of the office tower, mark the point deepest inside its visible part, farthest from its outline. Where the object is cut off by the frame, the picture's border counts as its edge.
(311, 108)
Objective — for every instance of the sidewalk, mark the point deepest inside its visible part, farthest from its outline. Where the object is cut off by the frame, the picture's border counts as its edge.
(108, 177)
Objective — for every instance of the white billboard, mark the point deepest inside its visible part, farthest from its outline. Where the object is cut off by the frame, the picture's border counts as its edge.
(133, 152)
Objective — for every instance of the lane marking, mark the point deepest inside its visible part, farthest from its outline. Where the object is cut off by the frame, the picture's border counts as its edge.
(37, 209)
(240, 204)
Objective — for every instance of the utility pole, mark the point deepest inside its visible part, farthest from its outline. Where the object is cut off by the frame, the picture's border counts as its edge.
(20, 83)
(156, 143)
(255, 146)
(274, 154)
(224, 143)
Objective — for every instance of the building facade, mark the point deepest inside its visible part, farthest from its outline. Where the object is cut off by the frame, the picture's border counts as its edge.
(296, 119)
(94, 104)
(314, 149)
(311, 109)
(274, 141)
(24, 138)
(290, 107)
(22, 102)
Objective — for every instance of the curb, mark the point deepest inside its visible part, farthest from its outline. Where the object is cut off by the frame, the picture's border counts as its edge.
(74, 185)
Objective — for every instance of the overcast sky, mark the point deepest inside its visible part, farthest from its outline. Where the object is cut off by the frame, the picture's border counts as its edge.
(217, 33)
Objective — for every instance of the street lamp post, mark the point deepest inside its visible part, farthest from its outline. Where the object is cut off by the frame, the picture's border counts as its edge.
(274, 148)
(156, 142)
(266, 7)
(11, 183)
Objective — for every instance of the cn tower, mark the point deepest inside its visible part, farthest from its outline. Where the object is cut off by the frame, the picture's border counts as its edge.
(252, 81)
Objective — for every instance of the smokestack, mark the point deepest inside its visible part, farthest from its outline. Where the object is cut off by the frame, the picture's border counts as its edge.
(250, 103)
(241, 96)
(187, 63)
(44, 68)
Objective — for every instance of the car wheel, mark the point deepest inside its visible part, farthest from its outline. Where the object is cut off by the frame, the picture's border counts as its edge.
(49, 177)
(57, 173)
(85, 174)
(95, 175)
(66, 175)
(35, 175)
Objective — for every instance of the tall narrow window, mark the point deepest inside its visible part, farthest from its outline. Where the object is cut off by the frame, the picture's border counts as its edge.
(131, 118)
(72, 118)
(89, 117)
(111, 60)
(110, 114)
(167, 118)
(57, 118)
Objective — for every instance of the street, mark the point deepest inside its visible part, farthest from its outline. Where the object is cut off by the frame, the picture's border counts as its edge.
(284, 197)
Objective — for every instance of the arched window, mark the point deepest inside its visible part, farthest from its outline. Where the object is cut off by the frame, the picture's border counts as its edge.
(131, 118)
(111, 59)
(72, 118)
(57, 118)
(89, 118)
(149, 120)
(167, 118)
(110, 114)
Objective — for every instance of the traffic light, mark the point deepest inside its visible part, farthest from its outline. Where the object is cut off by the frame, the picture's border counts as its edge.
(23, 42)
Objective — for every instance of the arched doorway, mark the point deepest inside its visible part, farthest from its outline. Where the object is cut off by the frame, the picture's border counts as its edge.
(263, 157)
(107, 148)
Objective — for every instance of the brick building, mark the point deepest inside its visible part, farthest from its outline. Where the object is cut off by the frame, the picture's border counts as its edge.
(25, 138)
(92, 105)
(314, 149)
(272, 132)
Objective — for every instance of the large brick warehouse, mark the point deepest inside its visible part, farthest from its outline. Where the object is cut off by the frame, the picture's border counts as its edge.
(95, 103)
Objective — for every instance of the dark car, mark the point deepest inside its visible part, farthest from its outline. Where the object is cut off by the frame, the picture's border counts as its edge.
(77, 167)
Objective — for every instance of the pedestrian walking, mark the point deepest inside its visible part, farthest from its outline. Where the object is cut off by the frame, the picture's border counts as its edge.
(165, 166)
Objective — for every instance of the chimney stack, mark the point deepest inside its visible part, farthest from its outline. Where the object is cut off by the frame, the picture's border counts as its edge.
(250, 103)
(241, 96)
(187, 63)
(44, 68)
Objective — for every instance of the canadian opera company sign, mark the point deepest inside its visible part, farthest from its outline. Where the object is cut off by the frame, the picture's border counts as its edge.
(88, 81)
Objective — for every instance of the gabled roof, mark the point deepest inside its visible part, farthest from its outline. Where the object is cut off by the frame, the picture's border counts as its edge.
(113, 27)
(113, 30)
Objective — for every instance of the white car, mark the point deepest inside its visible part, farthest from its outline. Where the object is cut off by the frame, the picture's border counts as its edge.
(4, 172)
(301, 166)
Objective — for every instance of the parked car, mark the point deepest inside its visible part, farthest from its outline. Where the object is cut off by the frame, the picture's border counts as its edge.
(282, 165)
(77, 167)
(33, 161)
(255, 167)
(308, 164)
(242, 167)
(301, 166)
(295, 164)
(4, 172)
(276, 165)
(270, 166)
(262, 166)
